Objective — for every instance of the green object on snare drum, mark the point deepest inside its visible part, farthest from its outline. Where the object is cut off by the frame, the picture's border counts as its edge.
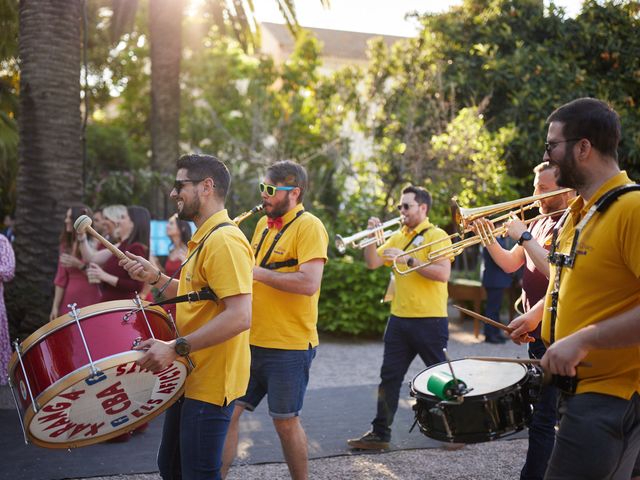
(444, 386)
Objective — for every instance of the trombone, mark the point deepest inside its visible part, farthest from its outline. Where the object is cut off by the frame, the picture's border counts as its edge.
(380, 235)
(463, 218)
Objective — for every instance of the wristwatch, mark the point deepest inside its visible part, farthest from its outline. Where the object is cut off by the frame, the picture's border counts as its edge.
(525, 237)
(182, 346)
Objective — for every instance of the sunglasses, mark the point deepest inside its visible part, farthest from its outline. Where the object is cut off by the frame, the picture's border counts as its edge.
(405, 206)
(549, 146)
(179, 184)
(272, 189)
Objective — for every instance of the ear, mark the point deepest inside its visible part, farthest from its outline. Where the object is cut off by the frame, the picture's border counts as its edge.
(208, 185)
(584, 148)
(295, 193)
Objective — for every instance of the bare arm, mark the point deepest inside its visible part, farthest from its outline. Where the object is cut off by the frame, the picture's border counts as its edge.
(508, 260)
(619, 331)
(57, 297)
(371, 257)
(306, 281)
(90, 254)
(142, 270)
(527, 323)
(440, 270)
(536, 252)
(235, 318)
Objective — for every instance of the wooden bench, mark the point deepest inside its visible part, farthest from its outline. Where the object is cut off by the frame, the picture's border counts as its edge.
(463, 290)
(472, 292)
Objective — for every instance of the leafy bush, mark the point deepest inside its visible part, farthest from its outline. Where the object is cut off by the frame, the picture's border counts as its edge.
(350, 298)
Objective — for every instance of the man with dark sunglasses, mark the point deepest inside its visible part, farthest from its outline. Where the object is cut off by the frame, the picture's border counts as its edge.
(418, 321)
(591, 312)
(214, 332)
(290, 247)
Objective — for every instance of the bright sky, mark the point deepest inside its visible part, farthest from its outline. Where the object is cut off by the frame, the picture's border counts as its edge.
(372, 16)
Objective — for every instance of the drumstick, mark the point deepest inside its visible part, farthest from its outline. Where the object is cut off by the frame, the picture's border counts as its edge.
(477, 316)
(529, 361)
(83, 225)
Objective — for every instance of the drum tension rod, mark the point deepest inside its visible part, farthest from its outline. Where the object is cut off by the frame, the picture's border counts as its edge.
(76, 317)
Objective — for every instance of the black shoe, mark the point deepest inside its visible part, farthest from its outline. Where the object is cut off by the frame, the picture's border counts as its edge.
(369, 441)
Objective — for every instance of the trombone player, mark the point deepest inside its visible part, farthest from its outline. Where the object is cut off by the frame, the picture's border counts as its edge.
(531, 252)
(418, 321)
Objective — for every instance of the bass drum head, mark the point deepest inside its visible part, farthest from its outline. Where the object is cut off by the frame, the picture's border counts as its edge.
(484, 378)
(83, 409)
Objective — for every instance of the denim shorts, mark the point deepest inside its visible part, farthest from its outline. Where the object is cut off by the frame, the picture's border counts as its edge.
(281, 375)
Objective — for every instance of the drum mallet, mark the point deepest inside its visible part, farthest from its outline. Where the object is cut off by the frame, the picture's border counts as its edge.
(83, 225)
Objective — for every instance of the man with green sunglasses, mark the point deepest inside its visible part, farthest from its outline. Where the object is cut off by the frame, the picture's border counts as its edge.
(290, 247)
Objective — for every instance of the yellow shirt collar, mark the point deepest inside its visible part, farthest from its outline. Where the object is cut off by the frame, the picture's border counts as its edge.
(291, 214)
(211, 222)
(421, 226)
(578, 206)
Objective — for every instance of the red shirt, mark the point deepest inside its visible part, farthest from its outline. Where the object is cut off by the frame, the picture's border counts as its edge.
(126, 287)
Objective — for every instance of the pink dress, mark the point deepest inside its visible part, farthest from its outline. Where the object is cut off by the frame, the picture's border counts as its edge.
(7, 270)
(170, 267)
(77, 289)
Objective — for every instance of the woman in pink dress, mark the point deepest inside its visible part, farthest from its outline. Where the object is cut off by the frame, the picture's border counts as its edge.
(133, 228)
(71, 283)
(7, 270)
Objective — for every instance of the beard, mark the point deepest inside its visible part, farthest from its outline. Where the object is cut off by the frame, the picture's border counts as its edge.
(278, 209)
(568, 173)
(189, 210)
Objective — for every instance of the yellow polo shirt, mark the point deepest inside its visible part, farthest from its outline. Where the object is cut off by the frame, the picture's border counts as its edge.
(281, 319)
(417, 296)
(604, 281)
(225, 264)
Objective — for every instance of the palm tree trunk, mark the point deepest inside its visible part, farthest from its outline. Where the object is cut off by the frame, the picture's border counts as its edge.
(50, 150)
(165, 26)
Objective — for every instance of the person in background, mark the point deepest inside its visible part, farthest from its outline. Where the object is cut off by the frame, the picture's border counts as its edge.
(7, 270)
(179, 232)
(133, 228)
(71, 282)
(7, 231)
(494, 281)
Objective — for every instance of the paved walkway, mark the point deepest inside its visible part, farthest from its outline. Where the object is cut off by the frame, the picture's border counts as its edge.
(343, 362)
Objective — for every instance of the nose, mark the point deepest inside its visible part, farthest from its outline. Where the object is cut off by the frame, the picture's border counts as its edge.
(173, 193)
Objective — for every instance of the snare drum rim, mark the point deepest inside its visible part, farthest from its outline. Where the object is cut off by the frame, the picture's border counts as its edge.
(77, 376)
(85, 312)
(491, 395)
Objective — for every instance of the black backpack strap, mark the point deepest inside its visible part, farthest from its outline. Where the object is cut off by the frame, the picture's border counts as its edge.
(612, 195)
(415, 236)
(273, 265)
(195, 252)
(204, 294)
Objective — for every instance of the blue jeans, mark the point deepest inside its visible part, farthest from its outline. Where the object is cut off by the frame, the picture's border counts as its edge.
(598, 438)
(542, 428)
(404, 338)
(492, 310)
(192, 440)
(281, 375)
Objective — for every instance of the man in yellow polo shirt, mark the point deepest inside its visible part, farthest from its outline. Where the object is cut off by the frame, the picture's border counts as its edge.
(214, 333)
(418, 321)
(290, 247)
(591, 312)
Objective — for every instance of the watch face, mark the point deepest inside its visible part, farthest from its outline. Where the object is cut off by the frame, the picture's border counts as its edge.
(182, 347)
(526, 236)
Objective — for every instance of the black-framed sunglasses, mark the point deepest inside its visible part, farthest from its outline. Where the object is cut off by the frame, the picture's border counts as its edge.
(549, 146)
(405, 206)
(179, 184)
(272, 189)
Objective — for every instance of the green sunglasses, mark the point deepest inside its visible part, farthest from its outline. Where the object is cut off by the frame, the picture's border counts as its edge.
(272, 189)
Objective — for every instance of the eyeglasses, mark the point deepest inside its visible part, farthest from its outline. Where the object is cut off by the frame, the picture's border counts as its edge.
(179, 184)
(272, 189)
(549, 146)
(405, 206)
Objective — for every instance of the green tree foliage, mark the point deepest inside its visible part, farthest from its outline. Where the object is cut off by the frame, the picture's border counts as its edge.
(529, 60)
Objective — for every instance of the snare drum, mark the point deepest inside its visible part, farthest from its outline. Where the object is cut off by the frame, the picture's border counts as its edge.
(75, 381)
(498, 403)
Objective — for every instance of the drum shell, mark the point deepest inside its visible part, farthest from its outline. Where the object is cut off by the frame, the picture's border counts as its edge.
(477, 419)
(54, 357)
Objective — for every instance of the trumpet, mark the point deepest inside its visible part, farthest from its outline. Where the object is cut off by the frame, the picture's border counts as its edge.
(243, 216)
(463, 218)
(380, 235)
